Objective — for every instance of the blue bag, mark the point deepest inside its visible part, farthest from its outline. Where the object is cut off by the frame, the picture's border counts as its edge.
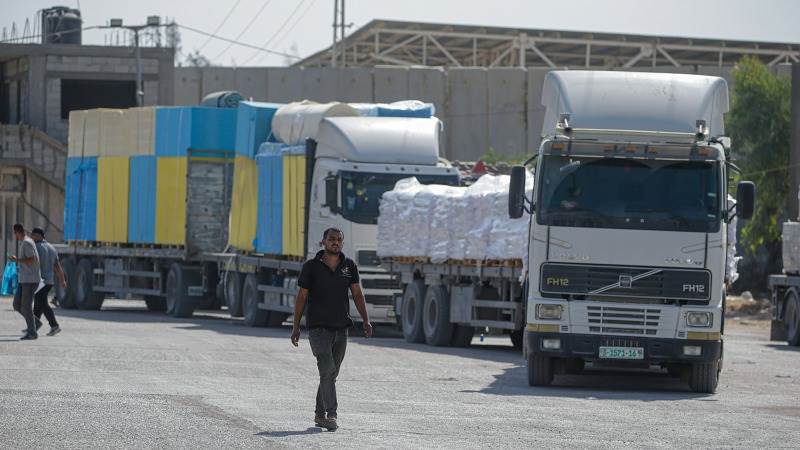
(9, 285)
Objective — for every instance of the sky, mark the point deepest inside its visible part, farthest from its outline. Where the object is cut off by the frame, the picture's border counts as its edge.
(303, 27)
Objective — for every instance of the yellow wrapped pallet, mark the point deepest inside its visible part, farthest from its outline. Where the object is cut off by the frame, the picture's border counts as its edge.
(294, 204)
(244, 204)
(112, 198)
(171, 200)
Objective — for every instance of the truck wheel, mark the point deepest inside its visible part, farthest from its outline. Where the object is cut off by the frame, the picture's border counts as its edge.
(777, 330)
(253, 316)
(792, 318)
(85, 297)
(233, 293)
(540, 370)
(462, 335)
(413, 301)
(516, 338)
(436, 317)
(704, 377)
(66, 297)
(155, 303)
(179, 303)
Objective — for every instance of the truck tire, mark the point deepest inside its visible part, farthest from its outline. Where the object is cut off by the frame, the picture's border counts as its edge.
(413, 301)
(85, 297)
(540, 370)
(436, 317)
(704, 377)
(253, 316)
(179, 303)
(66, 297)
(234, 282)
(155, 303)
(791, 318)
(462, 335)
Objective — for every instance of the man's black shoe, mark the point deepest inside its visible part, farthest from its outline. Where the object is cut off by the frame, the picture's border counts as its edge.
(329, 424)
(319, 420)
(28, 337)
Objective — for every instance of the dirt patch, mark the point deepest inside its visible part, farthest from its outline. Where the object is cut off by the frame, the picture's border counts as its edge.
(747, 307)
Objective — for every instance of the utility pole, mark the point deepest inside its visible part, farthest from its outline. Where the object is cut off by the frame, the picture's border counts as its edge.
(343, 49)
(152, 22)
(335, 30)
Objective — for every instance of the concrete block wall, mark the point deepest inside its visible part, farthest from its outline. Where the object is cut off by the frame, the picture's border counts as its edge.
(482, 109)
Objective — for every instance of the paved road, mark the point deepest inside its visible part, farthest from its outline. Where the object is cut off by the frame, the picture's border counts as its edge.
(124, 377)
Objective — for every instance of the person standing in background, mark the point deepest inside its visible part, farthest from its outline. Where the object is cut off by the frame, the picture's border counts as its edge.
(50, 266)
(29, 277)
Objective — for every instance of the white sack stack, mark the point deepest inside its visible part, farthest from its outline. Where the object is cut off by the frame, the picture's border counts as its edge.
(446, 222)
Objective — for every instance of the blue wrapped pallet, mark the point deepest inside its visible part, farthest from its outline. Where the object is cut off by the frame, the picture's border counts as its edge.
(269, 228)
(406, 108)
(80, 199)
(199, 128)
(253, 126)
(142, 200)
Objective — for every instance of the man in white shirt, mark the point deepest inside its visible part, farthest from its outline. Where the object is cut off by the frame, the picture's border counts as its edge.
(29, 277)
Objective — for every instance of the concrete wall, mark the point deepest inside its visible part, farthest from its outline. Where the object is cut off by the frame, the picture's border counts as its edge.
(482, 109)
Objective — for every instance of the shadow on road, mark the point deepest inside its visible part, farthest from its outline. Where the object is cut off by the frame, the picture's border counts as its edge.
(596, 383)
(784, 347)
(309, 430)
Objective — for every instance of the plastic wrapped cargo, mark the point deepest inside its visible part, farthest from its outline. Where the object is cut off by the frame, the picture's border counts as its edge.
(142, 199)
(294, 207)
(406, 108)
(269, 229)
(244, 205)
(80, 199)
(192, 127)
(85, 133)
(112, 198)
(118, 132)
(791, 247)
(143, 120)
(171, 201)
(446, 222)
(295, 122)
(253, 126)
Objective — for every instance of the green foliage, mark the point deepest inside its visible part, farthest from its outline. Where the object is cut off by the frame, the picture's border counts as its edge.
(492, 158)
(759, 124)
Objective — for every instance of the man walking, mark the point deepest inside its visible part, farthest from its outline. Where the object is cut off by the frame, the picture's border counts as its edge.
(50, 266)
(29, 277)
(324, 282)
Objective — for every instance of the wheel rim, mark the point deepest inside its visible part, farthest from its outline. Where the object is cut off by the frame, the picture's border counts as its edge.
(410, 305)
(171, 292)
(431, 315)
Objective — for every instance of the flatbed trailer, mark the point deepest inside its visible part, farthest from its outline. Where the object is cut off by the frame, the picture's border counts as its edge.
(785, 306)
(443, 304)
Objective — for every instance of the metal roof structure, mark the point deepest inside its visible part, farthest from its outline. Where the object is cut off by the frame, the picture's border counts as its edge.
(384, 42)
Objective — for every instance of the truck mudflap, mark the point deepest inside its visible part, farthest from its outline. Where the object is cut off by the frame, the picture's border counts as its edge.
(654, 350)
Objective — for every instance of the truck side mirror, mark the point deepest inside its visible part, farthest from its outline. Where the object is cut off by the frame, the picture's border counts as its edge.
(516, 192)
(332, 193)
(745, 199)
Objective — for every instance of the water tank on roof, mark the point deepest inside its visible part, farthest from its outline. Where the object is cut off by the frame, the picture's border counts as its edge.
(61, 25)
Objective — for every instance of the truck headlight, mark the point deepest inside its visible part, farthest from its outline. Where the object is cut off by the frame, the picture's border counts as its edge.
(699, 319)
(548, 312)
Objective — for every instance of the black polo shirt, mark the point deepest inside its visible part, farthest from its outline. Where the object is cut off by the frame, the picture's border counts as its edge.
(328, 302)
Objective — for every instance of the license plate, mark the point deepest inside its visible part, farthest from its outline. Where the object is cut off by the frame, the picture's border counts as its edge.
(621, 353)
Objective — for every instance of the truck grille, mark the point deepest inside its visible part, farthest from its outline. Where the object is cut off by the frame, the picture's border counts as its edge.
(617, 320)
(620, 281)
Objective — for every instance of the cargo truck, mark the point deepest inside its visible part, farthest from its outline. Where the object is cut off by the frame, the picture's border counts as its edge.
(339, 178)
(627, 238)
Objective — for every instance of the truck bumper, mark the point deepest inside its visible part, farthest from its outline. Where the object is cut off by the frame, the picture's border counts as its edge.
(656, 350)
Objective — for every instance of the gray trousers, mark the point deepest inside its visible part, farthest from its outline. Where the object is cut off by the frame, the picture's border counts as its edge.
(23, 304)
(328, 347)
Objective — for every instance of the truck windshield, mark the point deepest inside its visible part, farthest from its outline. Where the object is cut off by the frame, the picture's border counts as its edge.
(361, 192)
(629, 193)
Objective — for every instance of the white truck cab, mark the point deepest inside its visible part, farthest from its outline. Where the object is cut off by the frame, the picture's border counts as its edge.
(627, 244)
(356, 160)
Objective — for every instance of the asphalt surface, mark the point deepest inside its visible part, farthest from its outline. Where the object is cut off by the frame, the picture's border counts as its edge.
(124, 377)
